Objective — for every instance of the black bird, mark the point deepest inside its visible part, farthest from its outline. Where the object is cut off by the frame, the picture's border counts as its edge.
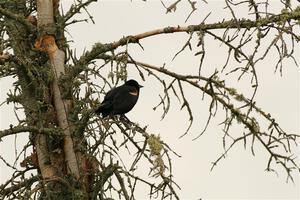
(120, 100)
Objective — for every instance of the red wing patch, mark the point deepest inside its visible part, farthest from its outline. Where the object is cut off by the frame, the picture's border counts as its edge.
(135, 93)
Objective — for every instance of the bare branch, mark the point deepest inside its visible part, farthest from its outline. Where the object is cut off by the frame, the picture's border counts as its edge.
(243, 23)
(18, 18)
(30, 129)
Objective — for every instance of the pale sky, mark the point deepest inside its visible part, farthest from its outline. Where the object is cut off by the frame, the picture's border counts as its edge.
(241, 175)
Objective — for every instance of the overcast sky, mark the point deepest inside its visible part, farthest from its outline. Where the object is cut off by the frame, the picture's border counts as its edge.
(241, 175)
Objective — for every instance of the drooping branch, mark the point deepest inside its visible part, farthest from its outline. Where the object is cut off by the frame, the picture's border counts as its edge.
(25, 183)
(221, 94)
(283, 140)
(99, 48)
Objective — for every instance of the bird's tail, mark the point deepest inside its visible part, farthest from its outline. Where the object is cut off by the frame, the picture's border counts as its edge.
(102, 109)
(98, 110)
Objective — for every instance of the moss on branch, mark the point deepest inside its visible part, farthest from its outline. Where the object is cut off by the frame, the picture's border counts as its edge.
(100, 48)
(23, 129)
(19, 18)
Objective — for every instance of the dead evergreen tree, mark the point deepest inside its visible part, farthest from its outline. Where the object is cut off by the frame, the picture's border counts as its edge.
(75, 153)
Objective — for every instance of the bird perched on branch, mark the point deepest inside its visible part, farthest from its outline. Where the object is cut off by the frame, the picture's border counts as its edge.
(120, 100)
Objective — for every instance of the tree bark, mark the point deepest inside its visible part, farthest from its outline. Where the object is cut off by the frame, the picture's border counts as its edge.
(47, 44)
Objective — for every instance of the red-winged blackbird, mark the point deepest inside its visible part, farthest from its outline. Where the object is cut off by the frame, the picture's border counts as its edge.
(120, 100)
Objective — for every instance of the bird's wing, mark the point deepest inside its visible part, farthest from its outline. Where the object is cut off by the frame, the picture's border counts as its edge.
(124, 101)
(118, 100)
(120, 95)
(108, 100)
(110, 94)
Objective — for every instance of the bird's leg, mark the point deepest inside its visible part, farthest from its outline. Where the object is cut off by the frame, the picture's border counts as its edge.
(126, 122)
(113, 117)
(123, 117)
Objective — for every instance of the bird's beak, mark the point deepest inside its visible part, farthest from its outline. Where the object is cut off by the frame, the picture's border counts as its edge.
(140, 86)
